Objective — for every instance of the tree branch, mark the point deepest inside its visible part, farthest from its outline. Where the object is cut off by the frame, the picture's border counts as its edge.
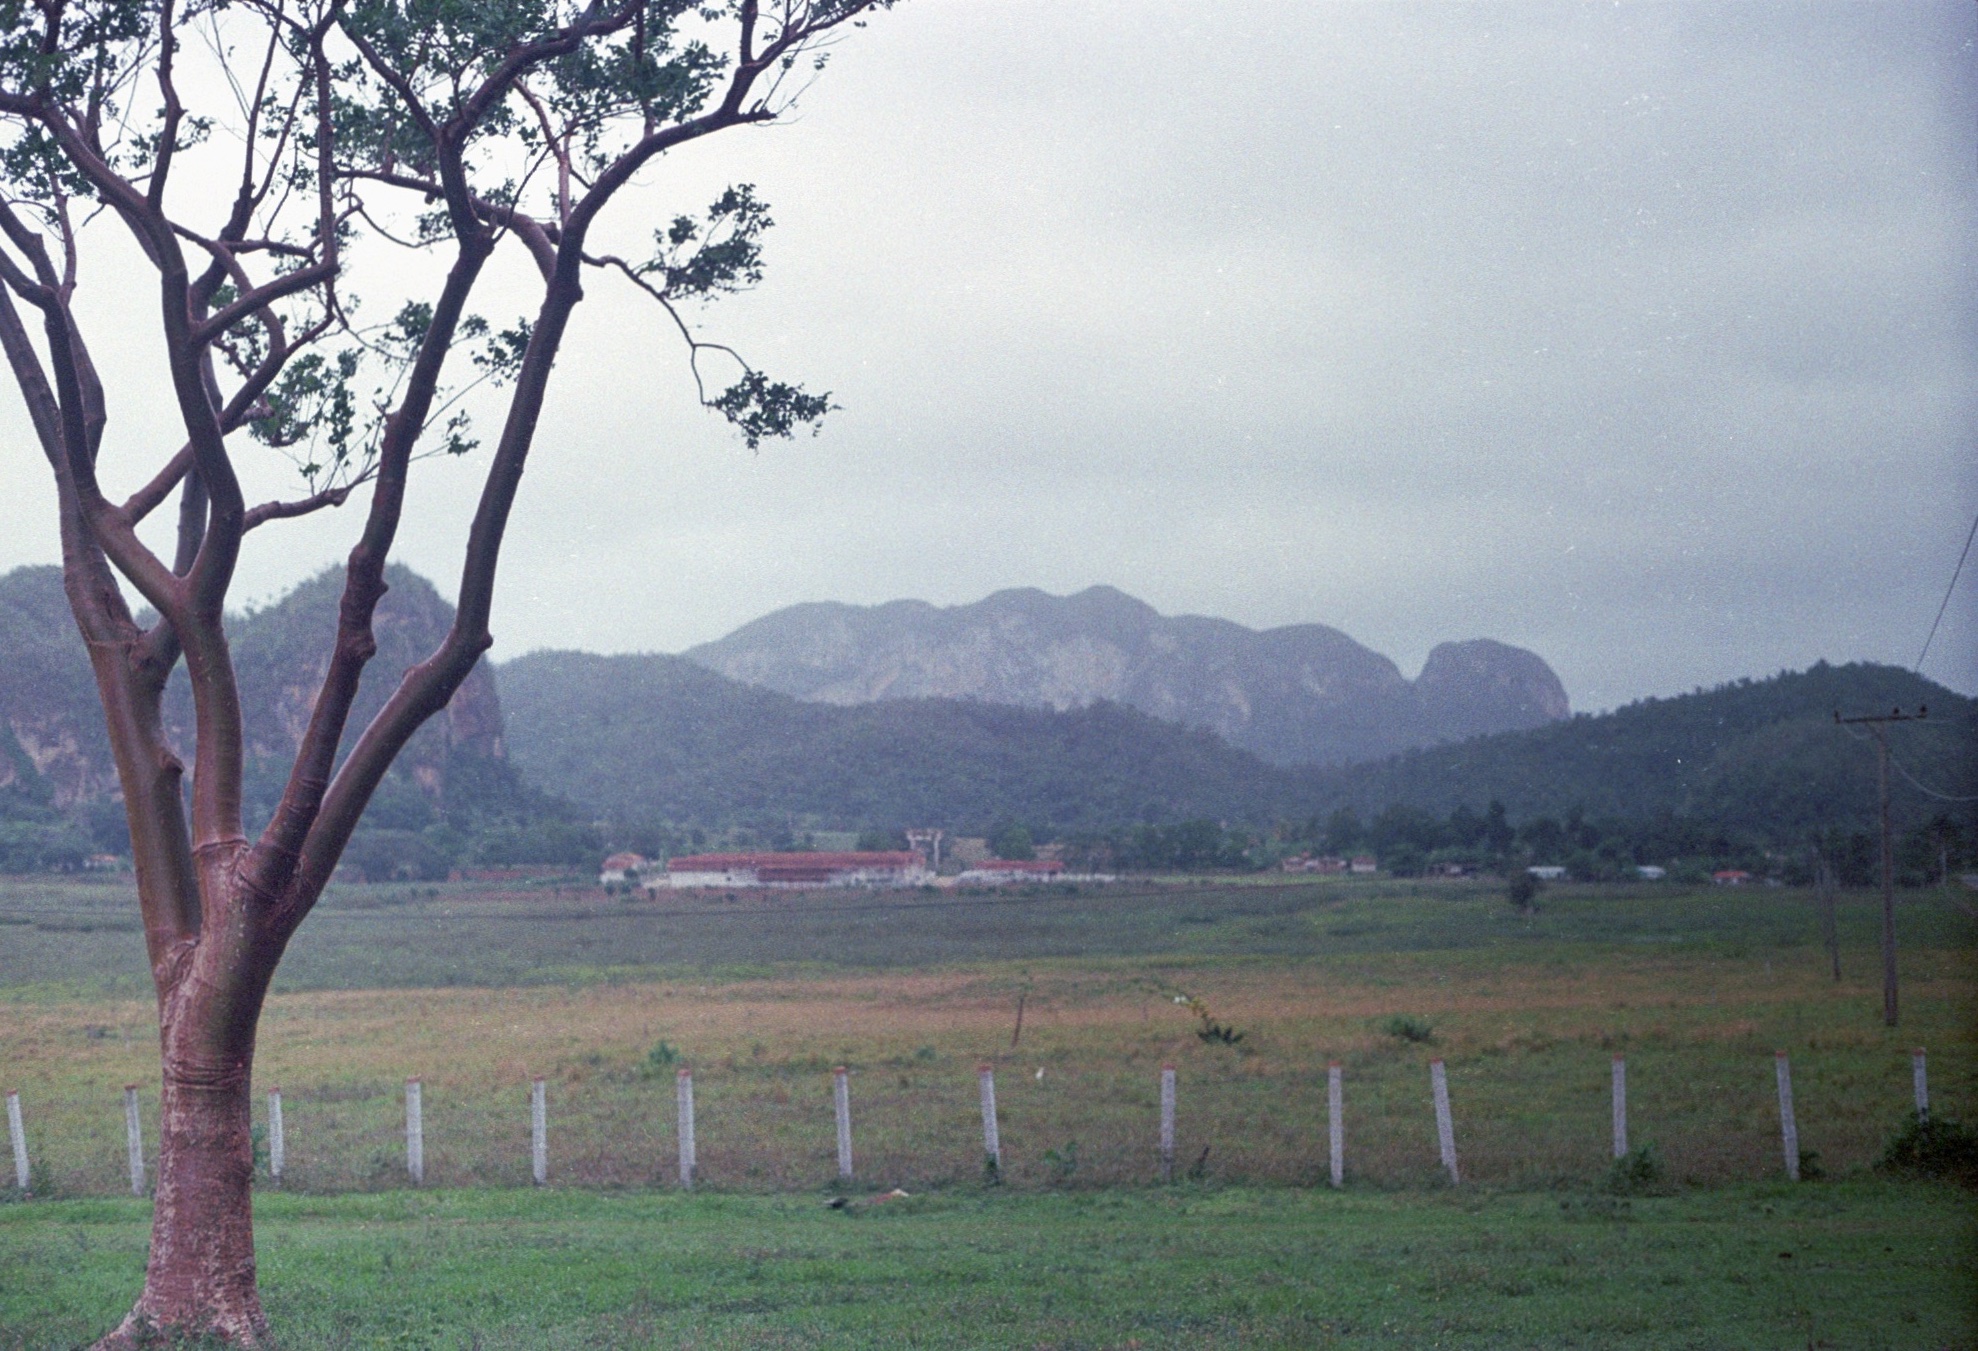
(256, 301)
(168, 134)
(271, 868)
(146, 499)
(316, 501)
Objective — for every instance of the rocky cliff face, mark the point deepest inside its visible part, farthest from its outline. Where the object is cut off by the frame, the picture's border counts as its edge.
(1300, 694)
(281, 654)
(48, 708)
(48, 696)
(1473, 688)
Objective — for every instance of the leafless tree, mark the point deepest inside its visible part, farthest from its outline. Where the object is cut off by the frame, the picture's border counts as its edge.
(255, 151)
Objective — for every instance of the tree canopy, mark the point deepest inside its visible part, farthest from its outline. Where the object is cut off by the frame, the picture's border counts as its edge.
(317, 188)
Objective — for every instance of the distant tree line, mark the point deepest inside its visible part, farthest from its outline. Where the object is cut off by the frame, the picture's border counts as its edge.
(1410, 842)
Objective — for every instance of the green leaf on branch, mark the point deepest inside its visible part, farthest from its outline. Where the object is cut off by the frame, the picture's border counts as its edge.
(760, 407)
(721, 258)
(500, 357)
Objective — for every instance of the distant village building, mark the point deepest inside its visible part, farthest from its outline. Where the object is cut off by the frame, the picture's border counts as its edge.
(1648, 872)
(1305, 863)
(927, 843)
(967, 850)
(1731, 877)
(865, 868)
(1364, 863)
(622, 868)
(1547, 872)
(999, 871)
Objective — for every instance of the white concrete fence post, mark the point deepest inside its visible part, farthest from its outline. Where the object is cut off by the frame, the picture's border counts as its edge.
(841, 1099)
(1335, 1125)
(683, 1098)
(277, 1142)
(134, 1139)
(1788, 1128)
(1919, 1075)
(1445, 1128)
(1167, 1123)
(18, 1135)
(415, 1132)
(538, 1131)
(1620, 1107)
(992, 1141)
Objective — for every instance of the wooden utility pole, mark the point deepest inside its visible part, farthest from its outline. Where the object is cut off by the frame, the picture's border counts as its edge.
(1878, 726)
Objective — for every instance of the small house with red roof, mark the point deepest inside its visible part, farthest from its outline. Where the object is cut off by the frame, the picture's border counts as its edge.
(622, 867)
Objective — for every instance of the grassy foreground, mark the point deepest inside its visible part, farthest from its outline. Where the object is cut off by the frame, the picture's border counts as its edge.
(1696, 989)
(477, 991)
(1853, 1264)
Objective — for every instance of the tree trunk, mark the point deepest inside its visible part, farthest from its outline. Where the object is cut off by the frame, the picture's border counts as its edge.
(200, 1278)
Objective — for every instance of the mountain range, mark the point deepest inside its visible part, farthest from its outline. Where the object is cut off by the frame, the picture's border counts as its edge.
(533, 749)
(1301, 694)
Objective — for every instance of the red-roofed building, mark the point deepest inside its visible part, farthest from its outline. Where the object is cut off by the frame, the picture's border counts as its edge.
(875, 868)
(622, 868)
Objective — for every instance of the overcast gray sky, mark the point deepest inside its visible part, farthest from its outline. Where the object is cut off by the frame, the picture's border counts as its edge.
(1642, 336)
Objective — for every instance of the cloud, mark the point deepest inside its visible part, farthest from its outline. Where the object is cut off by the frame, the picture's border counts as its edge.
(1641, 335)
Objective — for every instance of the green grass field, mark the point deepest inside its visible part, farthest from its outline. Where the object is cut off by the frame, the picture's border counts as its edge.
(1846, 1265)
(475, 990)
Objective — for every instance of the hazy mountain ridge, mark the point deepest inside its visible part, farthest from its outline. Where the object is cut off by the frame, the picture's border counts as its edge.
(1300, 694)
(660, 739)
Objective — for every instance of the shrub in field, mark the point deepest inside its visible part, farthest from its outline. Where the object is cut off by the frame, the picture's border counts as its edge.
(1522, 891)
(1933, 1147)
(660, 1058)
(1210, 1030)
(1410, 1028)
(1639, 1172)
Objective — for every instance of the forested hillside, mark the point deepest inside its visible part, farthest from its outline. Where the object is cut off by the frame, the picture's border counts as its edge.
(1723, 774)
(657, 738)
(1757, 756)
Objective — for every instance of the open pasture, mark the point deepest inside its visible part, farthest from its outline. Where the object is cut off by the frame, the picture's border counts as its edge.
(1853, 1264)
(762, 997)
(476, 990)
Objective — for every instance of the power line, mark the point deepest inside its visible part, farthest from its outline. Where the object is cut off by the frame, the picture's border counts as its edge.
(1877, 725)
(1914, 782)
(1927, 791)
(1971, 535)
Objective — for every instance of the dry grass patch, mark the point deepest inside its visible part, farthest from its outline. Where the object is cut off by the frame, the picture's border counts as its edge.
(1527, 1044)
